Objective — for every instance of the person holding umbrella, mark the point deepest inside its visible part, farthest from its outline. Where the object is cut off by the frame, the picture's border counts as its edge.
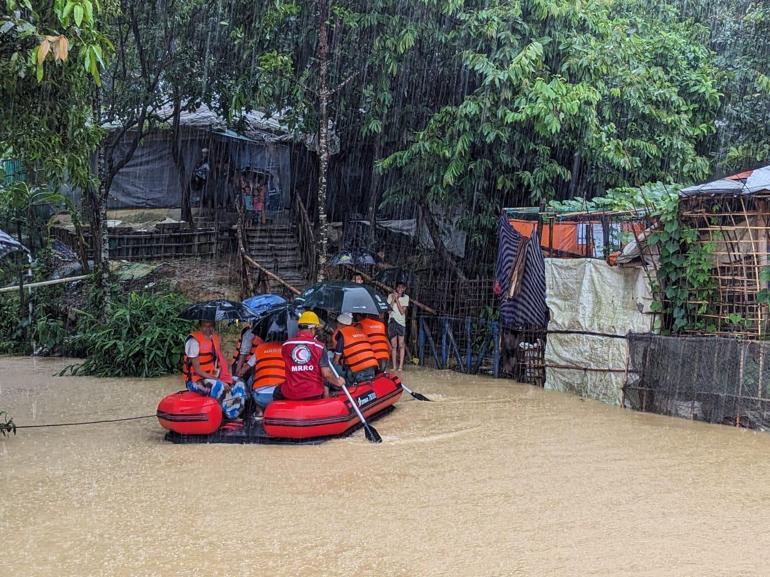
(306, 366)
(205, 370)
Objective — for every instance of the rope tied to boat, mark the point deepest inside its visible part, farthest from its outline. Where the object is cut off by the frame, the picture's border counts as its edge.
(99, 422)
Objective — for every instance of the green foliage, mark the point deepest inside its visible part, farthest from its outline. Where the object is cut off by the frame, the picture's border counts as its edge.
(687, 287)
(739, 30)
(763, 296)
(142, 336)
(618, 199)
(613, 91)
(13, 326)
(45, 88)
(7, 426)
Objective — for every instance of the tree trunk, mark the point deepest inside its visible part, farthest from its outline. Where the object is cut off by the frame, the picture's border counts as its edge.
(323, 132)
(374, 193)
(100, 240)
(573, 182)
(438, 243)
(176, 154)
(81, 242)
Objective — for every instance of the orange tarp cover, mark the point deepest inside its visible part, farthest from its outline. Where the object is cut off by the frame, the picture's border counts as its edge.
(570, 238)
(565, 241)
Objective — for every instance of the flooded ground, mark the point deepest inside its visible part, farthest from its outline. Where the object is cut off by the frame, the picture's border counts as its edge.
(493, 479)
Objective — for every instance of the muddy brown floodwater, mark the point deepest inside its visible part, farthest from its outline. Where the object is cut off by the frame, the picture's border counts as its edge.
(492, 479)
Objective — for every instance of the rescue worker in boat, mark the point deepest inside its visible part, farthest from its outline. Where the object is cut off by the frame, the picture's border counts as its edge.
(306, 366)
(206, 372)
(245, 347)
(353, 349)
(268, 369)
(377, 333)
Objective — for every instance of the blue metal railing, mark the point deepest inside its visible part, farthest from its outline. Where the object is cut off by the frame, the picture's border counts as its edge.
(463, 344)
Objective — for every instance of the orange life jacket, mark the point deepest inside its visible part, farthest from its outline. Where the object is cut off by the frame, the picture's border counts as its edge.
(357, 351)
(255, 342)
(378, 338)
(208, 354)
(270, 369)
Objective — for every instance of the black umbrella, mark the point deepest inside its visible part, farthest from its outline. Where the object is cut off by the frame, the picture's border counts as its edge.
(277, 323)
(394, 275)
(342, 297)
(218, 310)
(355, 257)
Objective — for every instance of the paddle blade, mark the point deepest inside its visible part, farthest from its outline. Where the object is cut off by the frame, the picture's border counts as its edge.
(420, 397)
(371, 434)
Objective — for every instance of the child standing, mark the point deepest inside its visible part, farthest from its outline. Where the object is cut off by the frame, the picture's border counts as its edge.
(398, 302)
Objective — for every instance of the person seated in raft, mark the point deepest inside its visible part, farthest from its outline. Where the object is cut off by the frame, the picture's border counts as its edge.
(206, 372)
(353, 349)
(245, 347)
(377, 333)
(269, 371)
(306, 366)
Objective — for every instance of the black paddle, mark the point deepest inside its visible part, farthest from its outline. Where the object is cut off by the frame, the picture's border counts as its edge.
(418, 396)
(371, 433)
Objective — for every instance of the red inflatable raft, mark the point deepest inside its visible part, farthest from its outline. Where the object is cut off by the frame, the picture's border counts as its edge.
(193, 418)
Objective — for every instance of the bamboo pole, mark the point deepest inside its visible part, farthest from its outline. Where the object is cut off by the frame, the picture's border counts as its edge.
(272, 275)
(44, 283)
(415, 302)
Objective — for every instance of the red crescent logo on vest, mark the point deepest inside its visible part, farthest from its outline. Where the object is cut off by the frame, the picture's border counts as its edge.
(301, 355)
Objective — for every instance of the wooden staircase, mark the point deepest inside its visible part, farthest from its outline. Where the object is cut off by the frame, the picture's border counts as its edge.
(276, 247)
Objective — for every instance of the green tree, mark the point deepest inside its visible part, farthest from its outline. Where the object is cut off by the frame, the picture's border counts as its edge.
(566, 99)
(740, 38)
(50, 54)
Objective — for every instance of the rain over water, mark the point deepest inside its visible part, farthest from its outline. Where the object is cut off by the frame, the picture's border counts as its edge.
(494, 478)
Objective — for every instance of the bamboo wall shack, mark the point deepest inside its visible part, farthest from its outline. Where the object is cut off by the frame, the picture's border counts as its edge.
(732, 217)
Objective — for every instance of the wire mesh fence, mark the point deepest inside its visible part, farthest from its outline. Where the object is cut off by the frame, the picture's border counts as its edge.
(713, 379)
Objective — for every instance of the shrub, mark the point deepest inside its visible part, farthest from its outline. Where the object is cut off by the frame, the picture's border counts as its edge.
(142, 336)
(7, 426)
(13, 334)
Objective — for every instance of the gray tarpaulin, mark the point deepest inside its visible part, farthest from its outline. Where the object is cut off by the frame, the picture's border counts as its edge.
(749, 182)
(593, 306)
(151, 178)
(8, 244)
(454, 238)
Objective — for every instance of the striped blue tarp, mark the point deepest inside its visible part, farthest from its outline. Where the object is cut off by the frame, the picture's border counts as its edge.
(527, 310)
(8, 244)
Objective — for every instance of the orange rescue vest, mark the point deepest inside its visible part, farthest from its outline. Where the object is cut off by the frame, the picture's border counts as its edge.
(357, 351)
(255, 342)
(270, 369)
(207, 356)
(378, 338)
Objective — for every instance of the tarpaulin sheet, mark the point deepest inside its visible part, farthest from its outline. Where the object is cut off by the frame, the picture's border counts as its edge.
(528, 308)
(453, 238)
(589, 296)
(8, 244)
(749, 182)
(151, 178)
